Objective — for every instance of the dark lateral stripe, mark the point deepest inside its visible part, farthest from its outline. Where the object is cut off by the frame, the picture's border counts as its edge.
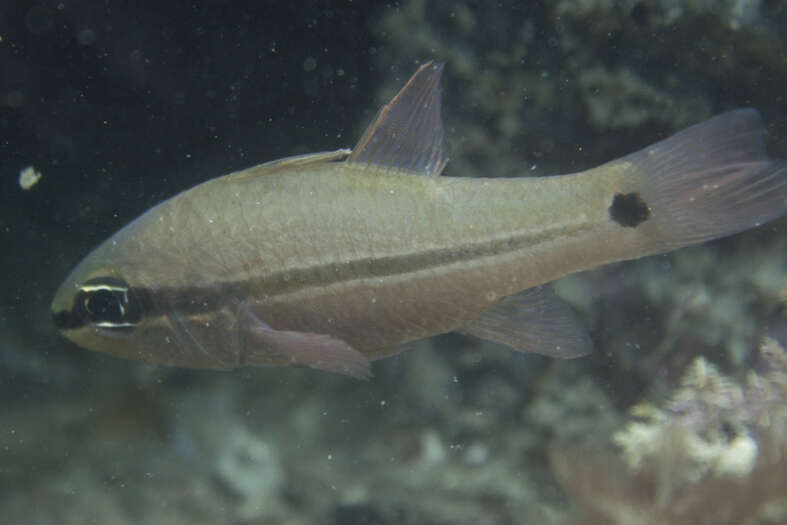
(67, 320)
(211, 297)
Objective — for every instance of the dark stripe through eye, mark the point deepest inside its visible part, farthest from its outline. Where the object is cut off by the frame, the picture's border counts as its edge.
(103, 302)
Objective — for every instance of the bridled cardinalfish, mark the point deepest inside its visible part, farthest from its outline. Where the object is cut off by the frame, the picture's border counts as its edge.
(332, 260)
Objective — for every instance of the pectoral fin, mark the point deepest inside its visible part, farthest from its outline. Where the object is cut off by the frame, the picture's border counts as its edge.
(534, 321)
(265, 346)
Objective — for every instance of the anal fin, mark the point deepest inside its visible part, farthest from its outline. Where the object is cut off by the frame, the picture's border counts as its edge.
(533, 321)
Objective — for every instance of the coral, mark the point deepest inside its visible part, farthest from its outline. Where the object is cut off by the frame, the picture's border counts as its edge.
(735, 14)
(715, 453)
(579, 413)
(546, 85)
(249, 467)
(713, 297)
(621, 99)
(654, 316)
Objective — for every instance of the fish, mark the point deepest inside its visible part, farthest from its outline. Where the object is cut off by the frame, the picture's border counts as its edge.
(336, 259)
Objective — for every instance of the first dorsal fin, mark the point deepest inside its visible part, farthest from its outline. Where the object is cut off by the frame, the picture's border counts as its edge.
(288, 163)
(408, 131)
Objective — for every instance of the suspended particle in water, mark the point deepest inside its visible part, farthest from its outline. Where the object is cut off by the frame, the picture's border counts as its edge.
(29, 177)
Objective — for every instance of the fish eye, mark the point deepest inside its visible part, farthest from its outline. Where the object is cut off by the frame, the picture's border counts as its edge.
(104, 306)
(107, 302)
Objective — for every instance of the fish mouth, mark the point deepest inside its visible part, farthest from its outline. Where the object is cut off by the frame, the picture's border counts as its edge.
(62, 310)
(66, 320)
(63, 313)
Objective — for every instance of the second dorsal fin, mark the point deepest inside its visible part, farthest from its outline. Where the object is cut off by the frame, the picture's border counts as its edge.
(408, 131)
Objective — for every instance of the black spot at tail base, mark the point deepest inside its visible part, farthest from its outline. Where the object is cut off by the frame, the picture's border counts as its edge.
(629, 210)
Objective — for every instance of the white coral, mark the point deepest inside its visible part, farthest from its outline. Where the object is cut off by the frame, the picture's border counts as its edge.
(710, 425)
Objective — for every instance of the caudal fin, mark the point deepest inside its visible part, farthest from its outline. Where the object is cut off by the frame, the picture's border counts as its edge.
(710, 180)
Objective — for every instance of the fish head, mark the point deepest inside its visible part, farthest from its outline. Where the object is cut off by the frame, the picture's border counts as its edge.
(107, 305)
(98, 307)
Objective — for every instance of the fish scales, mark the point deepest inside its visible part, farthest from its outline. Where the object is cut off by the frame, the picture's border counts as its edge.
(334, 259)
(481, 244)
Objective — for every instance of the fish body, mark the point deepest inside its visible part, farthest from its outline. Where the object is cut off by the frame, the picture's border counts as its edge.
(335, 259)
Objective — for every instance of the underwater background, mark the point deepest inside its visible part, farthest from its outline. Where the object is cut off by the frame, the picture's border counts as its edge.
(679, 416)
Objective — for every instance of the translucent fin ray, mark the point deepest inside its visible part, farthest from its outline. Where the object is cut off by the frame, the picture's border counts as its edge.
(408, 131)
(708, 181)
(534, 321)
